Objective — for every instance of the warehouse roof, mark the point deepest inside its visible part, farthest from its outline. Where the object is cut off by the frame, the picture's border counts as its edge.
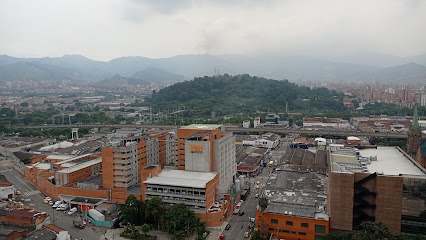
(81, 166)
(182, 178)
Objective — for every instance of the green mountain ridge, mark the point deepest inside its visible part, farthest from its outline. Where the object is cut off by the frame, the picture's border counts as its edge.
(243, 93)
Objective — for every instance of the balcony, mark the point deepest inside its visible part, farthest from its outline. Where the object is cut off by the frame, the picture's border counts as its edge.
(121, 179)
(188, 202)
(122, 185)
(122, 161)
(126, 155)
(168, 194)
(127, 167)
(121, 173)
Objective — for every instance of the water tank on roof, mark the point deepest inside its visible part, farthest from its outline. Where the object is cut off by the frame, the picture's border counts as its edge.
(237, 185)
(242, 182)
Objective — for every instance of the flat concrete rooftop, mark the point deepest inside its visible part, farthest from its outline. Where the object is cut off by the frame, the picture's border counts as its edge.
(390, 161)
(180, 178)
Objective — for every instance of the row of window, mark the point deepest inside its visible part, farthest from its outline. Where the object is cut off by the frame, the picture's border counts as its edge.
(318, 228)
(287, 231)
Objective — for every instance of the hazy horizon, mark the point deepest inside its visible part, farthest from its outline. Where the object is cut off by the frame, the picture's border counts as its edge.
(106, 29)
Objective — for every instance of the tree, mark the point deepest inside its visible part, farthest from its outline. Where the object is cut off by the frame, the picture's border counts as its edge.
(263, 204)
(24, 104)
(256, 235)
(145, 229)
(133, 210)
(155, 210)
(339, 236)
(374, 231)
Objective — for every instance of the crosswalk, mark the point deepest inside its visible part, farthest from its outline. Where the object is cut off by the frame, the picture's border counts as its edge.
(30, 193)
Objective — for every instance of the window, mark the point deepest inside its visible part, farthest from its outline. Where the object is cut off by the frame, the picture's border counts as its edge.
(271, 229)
(319, 229)
(302, 233)
(274, 220)
(285, 231)
(319, 237)
(289, 223)
(305, 225)
(293, 232)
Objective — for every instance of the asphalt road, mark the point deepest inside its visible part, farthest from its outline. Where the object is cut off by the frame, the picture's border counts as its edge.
(249, 206)
(240, 224)
(34, 198)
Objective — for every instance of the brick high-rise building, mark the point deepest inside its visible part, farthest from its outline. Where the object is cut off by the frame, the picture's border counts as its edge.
(123, 160)
(207, 148)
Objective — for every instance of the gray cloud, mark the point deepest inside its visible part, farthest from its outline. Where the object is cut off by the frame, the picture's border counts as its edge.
(104, 29)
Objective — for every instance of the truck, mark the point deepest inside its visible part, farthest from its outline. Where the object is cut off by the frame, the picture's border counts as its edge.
(93, 213)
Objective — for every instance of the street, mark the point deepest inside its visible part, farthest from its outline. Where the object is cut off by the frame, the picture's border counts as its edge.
(250, 204)
(32, 197)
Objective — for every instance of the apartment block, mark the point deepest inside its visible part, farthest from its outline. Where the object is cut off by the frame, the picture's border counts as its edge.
(122, 160)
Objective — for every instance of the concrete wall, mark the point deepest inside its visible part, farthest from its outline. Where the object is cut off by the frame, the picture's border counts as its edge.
(197, 160)
(224, 161)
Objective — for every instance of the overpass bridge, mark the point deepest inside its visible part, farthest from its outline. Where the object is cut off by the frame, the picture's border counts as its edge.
(325, 132)
(336, 133)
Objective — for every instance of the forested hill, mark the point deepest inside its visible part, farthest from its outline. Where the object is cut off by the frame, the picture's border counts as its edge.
(244, 93)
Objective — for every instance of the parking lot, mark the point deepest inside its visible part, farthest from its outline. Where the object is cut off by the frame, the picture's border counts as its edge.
(32, 197)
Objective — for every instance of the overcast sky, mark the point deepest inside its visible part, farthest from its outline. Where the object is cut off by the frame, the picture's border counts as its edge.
(106, 29)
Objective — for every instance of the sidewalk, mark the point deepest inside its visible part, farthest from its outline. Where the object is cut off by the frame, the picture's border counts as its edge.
(216, 231)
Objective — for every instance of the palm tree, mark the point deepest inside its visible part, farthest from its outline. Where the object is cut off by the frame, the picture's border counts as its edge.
(263, 204)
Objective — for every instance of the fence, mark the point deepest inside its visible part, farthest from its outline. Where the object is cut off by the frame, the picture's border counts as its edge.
(98, 223)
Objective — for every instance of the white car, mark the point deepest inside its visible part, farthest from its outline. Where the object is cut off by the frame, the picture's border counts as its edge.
(62, 207)
(72, 211)
(57, 204)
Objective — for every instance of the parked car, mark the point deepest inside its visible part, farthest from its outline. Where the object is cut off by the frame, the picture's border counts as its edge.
(246, 234)
(56, 204)
(256, 196)
(222, 236)
(50, 203)
(18, 193)
(228, 226)
(72, 211)
(241, 213)
(47, 199)
(79, 223)
(62, 207)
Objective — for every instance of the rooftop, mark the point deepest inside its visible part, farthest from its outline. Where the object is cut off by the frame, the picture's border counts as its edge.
(297, 194)
(383, 160)
(182, 178)
(202, 126)
(40, 234)
(81, 166)
(391, 161)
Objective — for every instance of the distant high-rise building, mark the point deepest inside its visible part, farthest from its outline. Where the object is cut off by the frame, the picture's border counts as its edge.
(256, 122)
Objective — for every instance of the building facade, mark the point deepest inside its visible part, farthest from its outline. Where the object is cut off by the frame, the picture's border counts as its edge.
(206, 148)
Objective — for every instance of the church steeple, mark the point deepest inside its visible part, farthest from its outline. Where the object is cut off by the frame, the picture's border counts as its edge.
(415, 123)
(414, 135)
